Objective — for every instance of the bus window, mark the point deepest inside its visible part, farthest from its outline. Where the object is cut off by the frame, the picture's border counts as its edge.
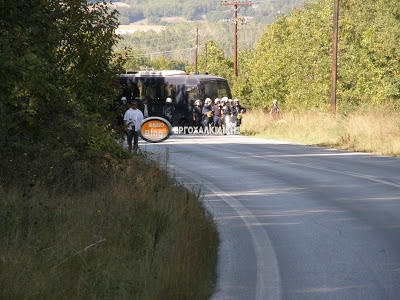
(141, 91)
(191, 95)
(154, 91)
(208, 90)
(133, 91)
(214, 89)
(170, 91)
(223, 90)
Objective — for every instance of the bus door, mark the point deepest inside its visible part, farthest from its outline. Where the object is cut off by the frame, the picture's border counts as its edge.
(156, 94)
(191, 97)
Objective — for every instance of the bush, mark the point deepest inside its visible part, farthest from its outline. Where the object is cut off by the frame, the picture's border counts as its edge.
(118, 230)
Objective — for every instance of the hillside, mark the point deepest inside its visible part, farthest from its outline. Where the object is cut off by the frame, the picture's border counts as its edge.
(156, 12)
(167, 28)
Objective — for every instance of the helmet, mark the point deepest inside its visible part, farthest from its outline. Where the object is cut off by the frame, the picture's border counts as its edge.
(208, 100)
(217, 100)
(123, 100)
(197, 102)
(275, 101)
(230, 100)
(236, 100)
(224, 99)
(169, 100)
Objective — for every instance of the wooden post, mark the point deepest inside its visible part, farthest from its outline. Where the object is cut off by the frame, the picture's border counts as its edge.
(334, 55)
(235, 5)
(197, 47)
(205, 59)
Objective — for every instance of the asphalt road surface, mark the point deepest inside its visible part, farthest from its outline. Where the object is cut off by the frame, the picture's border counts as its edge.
(295, 222)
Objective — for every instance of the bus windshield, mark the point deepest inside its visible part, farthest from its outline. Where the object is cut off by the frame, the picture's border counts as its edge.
(214, 89)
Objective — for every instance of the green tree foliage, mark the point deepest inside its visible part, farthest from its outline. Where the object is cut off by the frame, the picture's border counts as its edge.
(162, 63)
(292, 60)
(177, 42)
(264, 12)
(167, 8)
(129, 15)
(137, 61)
(58, 75)
(369, 54)
(216, 63)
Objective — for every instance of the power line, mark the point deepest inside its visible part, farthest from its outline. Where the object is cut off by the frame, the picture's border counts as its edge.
(236, 4)
(160, 38)
(161, 46)
(163, 52)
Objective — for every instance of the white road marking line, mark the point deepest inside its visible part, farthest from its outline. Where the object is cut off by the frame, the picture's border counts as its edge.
(287, 162)
(268, 278)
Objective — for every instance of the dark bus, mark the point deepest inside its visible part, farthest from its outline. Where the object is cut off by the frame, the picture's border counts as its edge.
(181, 87)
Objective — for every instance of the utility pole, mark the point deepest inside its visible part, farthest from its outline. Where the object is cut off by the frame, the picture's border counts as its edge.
(235, 4)
(334, 54)
(197, 47)
(205, 59)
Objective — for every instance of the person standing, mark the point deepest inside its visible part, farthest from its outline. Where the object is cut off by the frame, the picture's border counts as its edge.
(274, 109)
(217, 115)
(207, 113)
(132, 119)
(145, 108)
(226, 110)
(168, 110)
(122, 107)
(240, 110)
(197, 113)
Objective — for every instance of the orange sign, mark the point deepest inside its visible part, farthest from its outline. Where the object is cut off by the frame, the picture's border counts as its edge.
(155, 129)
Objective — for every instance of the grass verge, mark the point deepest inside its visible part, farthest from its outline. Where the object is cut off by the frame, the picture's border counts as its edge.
(372, 131)
(120, 230)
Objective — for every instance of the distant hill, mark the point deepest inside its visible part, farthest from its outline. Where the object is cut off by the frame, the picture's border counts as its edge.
(167, 27)
(156, 11)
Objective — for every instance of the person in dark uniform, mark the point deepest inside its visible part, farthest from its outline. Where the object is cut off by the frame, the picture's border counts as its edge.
(121, 109)
(207, 113)
(226, 110)
(197, 114)
(217, 115)
(168, 110)
(274, 109)
(239, 110)
(234, 115)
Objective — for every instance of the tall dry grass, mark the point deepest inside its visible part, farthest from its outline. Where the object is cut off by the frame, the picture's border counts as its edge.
(371, 131)
(121, 231)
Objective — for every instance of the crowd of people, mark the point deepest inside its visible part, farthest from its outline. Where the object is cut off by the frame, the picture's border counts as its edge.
(219, 116)
(223, 115)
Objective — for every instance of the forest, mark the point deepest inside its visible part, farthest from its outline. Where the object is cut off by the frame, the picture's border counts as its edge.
(80, 218)
(291, 58)
(210, 10)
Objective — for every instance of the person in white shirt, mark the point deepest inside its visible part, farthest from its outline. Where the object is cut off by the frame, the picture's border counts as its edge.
(132, 119)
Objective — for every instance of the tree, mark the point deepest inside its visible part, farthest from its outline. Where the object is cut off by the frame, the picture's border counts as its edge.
(59, 76)
(217, 64)
(292, 60)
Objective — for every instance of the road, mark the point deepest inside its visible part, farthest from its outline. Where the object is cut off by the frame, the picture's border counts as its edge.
(295, 222)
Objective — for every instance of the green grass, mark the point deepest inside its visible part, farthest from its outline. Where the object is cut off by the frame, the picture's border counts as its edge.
(119, 230)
